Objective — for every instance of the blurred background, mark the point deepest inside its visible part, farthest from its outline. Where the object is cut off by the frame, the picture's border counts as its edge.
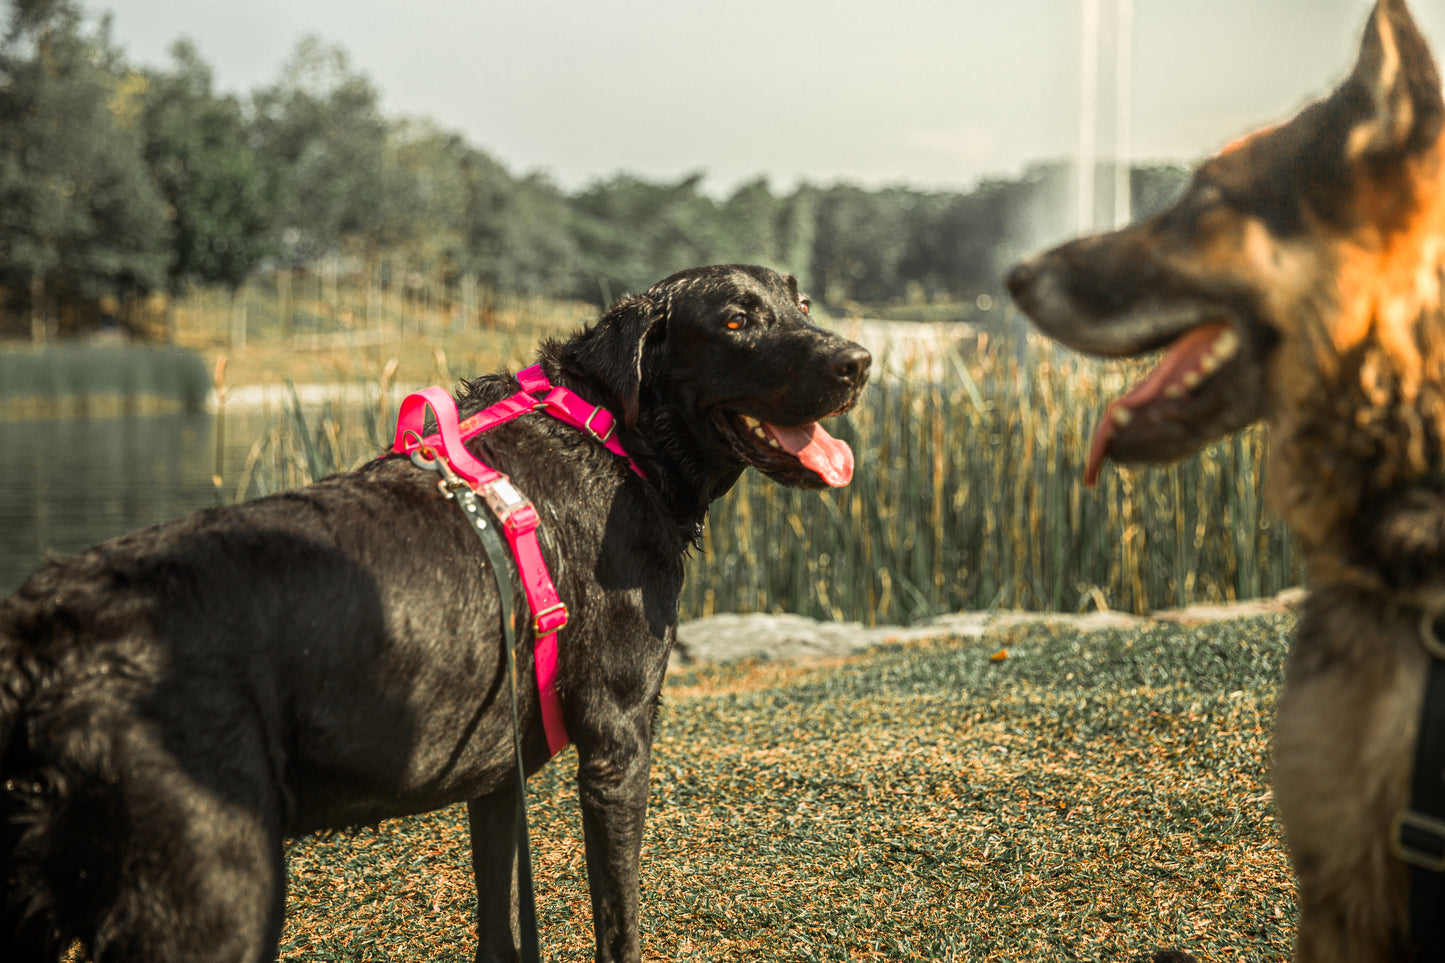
(231, 235)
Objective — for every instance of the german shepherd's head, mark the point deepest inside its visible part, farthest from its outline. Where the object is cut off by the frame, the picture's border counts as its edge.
(1298, 281)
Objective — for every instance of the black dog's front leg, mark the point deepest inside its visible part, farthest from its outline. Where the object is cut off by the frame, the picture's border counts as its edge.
(493, 823)
(612, 789)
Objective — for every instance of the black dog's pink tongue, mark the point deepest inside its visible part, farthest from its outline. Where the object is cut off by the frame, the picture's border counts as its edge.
(820, 452)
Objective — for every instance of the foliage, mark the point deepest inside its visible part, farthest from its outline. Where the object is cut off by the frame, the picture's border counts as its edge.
(115, 181)
(321, 129)
(219, 195)
(79, 214)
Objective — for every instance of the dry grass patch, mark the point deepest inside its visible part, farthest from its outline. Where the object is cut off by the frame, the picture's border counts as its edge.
(1088, 798)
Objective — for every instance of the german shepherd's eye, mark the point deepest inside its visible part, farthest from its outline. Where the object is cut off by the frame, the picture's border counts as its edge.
(805, 304)
(737, 321)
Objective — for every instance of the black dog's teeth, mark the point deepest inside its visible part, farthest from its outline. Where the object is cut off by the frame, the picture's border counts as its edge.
(754, 427)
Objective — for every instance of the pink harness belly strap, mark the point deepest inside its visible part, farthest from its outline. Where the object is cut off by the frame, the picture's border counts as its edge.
(514, 510)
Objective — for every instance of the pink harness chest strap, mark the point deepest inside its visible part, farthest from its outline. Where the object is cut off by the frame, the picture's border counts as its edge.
(515, 512)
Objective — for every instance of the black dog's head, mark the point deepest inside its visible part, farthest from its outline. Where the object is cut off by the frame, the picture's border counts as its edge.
(720, 367)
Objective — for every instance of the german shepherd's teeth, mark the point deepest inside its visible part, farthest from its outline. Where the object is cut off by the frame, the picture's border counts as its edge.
(1193, 379)
(1175, 392)
(763, 436)
(1210, 364)
(1122, 416)
(1225, 346)
(751, 423)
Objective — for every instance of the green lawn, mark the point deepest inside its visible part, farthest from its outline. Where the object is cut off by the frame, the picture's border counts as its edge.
(1034, 795)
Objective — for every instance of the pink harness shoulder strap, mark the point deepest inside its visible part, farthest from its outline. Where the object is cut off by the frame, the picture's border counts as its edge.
(515, 512)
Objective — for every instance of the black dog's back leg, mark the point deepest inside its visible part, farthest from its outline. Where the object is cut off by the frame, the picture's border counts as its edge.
(493, 823)
(145, 856)
(203, 880)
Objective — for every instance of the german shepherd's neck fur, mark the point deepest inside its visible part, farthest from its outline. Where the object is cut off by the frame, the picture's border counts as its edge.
(1358, 438)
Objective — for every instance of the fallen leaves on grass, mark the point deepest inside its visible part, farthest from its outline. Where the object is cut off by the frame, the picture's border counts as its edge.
(1089, 798)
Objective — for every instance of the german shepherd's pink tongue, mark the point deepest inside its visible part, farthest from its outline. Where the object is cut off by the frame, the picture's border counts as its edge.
(1183, 356)
(821, 453)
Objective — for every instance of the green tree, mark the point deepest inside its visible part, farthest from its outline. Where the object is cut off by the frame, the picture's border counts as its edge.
(79, 215)
(321, 129)
(859, 242)
(221, 201)
(630, 232)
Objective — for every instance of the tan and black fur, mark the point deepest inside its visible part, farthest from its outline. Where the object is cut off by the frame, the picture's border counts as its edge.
(1298, 281)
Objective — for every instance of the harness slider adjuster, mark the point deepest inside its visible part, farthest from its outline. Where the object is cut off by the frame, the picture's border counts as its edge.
(1419, 840)
(550, 619)
(599, 410)
(513, 509)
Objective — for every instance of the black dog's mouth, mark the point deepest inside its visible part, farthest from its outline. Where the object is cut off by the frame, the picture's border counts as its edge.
(1199, 392)
(803, 456)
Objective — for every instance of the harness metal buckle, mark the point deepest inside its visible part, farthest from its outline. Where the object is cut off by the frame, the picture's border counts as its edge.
(593, 431)
(550, 628)
(424, 457)
(1419, 840)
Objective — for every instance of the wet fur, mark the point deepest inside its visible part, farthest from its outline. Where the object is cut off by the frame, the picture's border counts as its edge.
(175, 702)
(1323, 241)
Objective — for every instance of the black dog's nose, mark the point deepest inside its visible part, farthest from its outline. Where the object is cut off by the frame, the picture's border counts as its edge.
(1021, 278)
(851, 364)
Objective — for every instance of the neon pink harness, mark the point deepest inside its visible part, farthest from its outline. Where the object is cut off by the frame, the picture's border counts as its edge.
(514, 510)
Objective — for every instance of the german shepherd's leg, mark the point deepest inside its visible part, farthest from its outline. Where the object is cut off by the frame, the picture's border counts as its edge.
(1340, 766)
(493, 822)
(612, 774)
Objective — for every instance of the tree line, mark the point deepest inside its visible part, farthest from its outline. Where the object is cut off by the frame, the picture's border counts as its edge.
(118, 181)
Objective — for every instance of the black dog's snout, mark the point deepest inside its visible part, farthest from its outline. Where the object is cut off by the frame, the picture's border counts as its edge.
(1021, 278)
(851, 364)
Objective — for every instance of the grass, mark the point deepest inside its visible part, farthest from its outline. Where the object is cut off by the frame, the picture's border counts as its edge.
(968, 495)
(308, 331)
(93, 379)
(1036, 794)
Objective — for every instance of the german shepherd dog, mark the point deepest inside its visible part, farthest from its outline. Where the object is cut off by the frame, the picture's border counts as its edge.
(176, 701)
(1298, 281)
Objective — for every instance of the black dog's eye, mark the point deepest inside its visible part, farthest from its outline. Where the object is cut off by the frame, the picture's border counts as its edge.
(737, 321)
(806, 305)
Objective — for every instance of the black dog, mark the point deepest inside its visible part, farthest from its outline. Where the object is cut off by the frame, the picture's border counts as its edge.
(176, 701)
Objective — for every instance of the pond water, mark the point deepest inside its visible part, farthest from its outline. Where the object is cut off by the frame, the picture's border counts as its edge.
(66, 483)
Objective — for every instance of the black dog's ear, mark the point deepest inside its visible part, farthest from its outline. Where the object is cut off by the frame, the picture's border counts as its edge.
(612, 350)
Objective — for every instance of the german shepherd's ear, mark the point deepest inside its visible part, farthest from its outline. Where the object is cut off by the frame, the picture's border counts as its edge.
(1397, 74)
(612, 351)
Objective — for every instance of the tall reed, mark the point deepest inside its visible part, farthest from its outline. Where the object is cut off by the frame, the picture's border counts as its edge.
(968, 495)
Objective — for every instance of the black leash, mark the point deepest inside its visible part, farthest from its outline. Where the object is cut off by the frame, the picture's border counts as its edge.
(455, 489)
(1419, 831)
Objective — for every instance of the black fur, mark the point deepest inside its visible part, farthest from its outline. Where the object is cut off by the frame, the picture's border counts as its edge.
(173, 703)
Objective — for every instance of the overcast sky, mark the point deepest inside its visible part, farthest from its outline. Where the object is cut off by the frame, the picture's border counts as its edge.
(932, 94)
